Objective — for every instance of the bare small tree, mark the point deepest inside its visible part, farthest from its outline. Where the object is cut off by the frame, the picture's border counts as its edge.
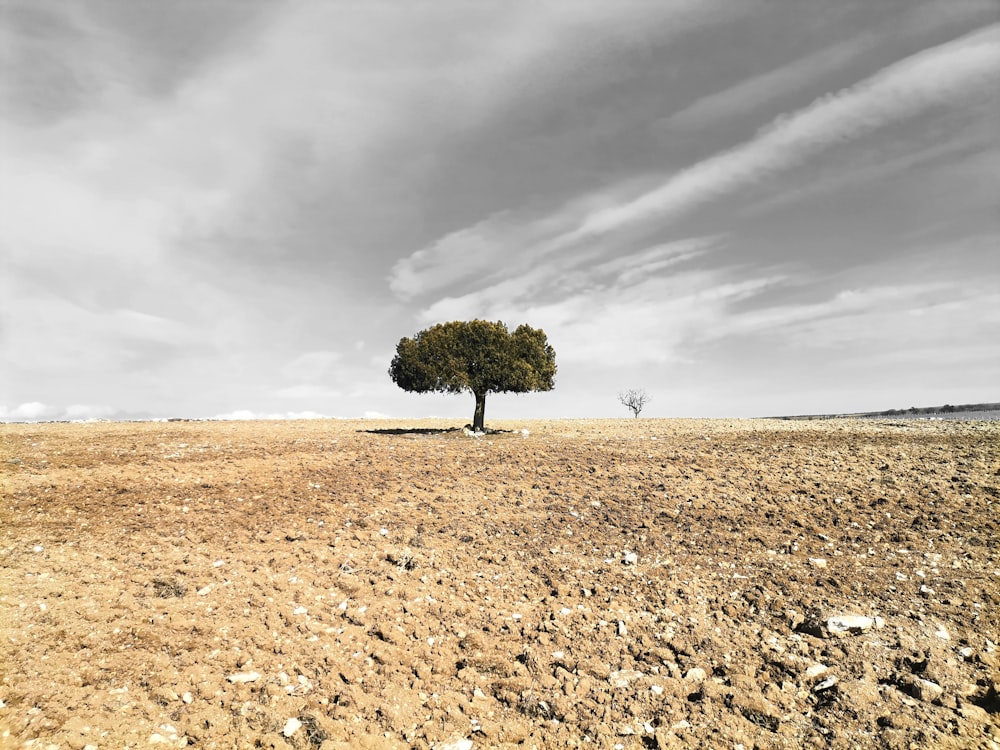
(634, 399)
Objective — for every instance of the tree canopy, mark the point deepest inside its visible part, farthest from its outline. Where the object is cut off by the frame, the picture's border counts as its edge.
(476, 356)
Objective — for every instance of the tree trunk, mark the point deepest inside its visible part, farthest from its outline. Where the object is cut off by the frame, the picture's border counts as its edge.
(480, 413)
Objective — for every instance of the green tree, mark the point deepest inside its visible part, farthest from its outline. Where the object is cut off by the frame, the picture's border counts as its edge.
(475, 356)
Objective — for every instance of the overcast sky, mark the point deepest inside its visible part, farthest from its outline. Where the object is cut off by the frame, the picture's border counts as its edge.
(238, 207)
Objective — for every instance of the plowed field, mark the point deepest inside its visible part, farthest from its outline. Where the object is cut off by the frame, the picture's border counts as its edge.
(632, 583)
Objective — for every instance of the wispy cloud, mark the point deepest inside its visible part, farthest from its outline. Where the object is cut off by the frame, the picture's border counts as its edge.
(755, 93)
(478, 255)
(938, 76)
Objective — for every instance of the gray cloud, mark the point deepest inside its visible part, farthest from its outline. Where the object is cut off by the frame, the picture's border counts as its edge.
(66, 58)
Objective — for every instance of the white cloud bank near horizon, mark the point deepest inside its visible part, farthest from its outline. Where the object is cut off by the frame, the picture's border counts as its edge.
(244, 216)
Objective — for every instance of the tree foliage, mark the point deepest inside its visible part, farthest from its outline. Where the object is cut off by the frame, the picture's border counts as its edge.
(475, 356)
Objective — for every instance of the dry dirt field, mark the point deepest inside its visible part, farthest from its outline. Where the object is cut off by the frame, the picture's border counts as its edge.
(620, 583)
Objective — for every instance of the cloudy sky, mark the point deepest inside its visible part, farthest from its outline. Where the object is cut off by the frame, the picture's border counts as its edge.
(236, 207)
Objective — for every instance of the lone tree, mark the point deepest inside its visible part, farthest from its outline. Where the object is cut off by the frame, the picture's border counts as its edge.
(475, 356)
(634, 399)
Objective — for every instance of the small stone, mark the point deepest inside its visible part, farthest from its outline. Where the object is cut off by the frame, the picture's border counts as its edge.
(817, 562)
(631, 558)
(164, 695)
(622, 630)
(925, 690)
(205, 591)
(656, 689)
(300, 611)
(826, 684)
(816, 670)
(187, 698)
(244, 677)
(696, 674)
(291, 727)
(849, 624)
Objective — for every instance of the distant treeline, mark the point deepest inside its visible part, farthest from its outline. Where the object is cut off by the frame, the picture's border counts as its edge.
(946, 409)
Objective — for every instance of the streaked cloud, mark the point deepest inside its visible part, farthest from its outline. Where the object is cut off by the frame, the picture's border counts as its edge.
(942, 75)
(476, 255)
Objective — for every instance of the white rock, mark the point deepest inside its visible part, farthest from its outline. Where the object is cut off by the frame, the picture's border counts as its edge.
(695, 674)
(38, 548)
(218, 563)
(622, 630)
(631, 558)
(291, 727)
(242, 677)
(817, 562)
(300, 611)
(849, 624)
(942, 633)
(657, 689)
(816, 670)
(826, 684)
(205, 591)
(187, 698)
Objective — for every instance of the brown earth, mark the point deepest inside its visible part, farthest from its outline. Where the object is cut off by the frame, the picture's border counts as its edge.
(632, 583)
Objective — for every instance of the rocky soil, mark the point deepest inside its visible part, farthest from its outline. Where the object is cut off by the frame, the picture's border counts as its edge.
(607, 584)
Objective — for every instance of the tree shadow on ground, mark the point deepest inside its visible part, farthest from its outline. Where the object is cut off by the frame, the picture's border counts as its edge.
(431, 431)
(413, 430)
